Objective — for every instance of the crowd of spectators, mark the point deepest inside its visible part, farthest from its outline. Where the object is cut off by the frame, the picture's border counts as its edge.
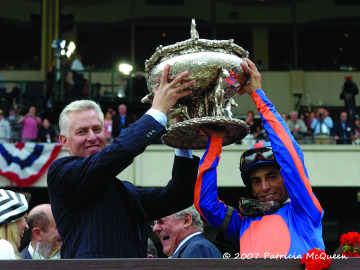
(308, 127)
(311, 127)
(30, 127)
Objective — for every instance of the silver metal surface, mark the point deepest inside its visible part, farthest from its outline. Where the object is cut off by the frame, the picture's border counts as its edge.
(216, 67)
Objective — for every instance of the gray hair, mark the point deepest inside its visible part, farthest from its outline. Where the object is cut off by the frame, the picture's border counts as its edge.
(78, 105)
(151, 249)
(196, 218)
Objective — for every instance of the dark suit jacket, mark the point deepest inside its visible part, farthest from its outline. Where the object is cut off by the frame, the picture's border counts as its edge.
(117, 126)
(339, 131)
(24, 254)
(197, 247)
(99, 216)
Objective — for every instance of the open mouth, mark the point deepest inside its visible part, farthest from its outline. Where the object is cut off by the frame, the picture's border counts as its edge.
(165, 239)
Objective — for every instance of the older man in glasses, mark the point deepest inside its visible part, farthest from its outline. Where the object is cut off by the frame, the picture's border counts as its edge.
(181, 236)
(284, 221)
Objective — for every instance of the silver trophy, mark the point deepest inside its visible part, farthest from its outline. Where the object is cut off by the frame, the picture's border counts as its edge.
(215, 65)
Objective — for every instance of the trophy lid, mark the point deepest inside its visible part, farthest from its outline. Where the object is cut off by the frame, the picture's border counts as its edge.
(194, 44)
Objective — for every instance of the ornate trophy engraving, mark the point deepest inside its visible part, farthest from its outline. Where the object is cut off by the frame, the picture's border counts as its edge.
(215, 65)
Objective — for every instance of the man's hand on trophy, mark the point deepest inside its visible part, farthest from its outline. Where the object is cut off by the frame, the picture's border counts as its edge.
(255, 77)
(168, 93)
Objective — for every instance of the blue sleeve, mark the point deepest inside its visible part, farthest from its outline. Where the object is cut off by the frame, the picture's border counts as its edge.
(290, 158)
(205, 196)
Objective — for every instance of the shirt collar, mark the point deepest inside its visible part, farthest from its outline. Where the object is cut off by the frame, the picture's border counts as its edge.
(39, 256)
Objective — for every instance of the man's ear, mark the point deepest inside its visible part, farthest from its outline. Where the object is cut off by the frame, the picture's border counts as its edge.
(187, 220)
(36, 233)
(64, 141)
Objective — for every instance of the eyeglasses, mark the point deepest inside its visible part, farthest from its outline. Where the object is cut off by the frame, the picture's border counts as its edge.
(252, 155)
(158, 222)
(255, 208)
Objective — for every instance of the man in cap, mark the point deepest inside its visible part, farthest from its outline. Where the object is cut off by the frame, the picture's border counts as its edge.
(285, 218)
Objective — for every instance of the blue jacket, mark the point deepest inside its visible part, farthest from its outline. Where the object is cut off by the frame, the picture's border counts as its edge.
(99, 216)
(197, 247)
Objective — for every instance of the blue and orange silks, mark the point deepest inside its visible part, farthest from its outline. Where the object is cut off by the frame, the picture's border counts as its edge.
(293, 229)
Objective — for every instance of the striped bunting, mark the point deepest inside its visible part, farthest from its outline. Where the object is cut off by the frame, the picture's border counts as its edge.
(24, 163)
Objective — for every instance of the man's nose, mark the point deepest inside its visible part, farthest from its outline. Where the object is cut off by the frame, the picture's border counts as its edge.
(265, 185)
(91, 136)
(156, 227)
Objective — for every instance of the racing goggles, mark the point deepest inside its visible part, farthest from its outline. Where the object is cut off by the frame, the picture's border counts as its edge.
(255, 155)
(255, 208)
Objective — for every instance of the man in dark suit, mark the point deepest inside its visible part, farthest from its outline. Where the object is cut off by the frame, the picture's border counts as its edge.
(97, 215)
(120, 121)
(181, 236)
(344, 131)
(45, 239)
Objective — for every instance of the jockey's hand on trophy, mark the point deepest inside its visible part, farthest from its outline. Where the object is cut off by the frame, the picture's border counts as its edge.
(254, 82)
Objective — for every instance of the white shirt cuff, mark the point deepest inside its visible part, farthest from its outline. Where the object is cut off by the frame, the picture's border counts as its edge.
(158, 116)
(183, 153)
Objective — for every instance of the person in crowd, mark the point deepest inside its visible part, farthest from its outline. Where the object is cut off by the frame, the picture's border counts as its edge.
(285, 217)
(50, 80)
(78, 71)
(322, 126)
(120, 121)
(308, 117)
(45, 239)
(357, 131)
(255, 129)
(15, 127)
(151, 250)
(348, 93)
(13, 224)
(181, 236)
(30, 123)
(285, 117)
(47, 132)
(297, 126)
(344, 130)
(108, 126)
(97, 215)
(5, 129)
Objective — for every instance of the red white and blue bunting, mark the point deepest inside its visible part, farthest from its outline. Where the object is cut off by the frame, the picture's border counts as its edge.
(24, 163)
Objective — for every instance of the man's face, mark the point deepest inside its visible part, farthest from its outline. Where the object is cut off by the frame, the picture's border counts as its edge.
(122, 109)
(171, 232)
(51, 235)
(294, 116)
(267, 184)
(343, 117)
(86, 134)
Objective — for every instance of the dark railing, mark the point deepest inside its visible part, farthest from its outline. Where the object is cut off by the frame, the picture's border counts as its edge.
(166, 264)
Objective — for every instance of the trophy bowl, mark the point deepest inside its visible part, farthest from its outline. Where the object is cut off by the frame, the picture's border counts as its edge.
(216, 67)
